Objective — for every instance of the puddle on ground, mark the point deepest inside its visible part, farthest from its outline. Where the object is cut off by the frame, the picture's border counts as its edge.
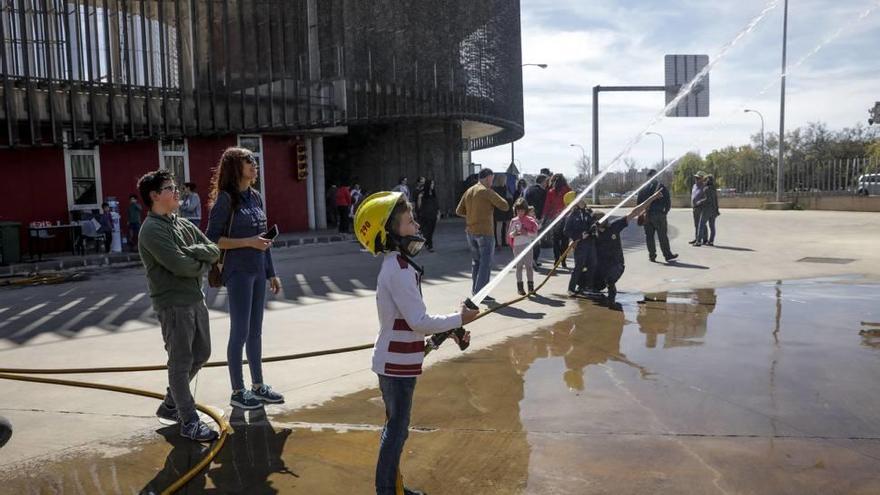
(765, 388)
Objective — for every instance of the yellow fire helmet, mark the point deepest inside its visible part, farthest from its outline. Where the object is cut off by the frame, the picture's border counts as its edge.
(569, 197)
(371, 217)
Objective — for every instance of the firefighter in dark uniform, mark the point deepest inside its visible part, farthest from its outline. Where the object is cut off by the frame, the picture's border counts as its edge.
(609, 250)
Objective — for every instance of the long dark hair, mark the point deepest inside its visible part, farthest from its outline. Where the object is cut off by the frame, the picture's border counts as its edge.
(557, 182)
(227, 175)
(428, 189)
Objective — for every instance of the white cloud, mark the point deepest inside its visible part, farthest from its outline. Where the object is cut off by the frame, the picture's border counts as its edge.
(597, 42)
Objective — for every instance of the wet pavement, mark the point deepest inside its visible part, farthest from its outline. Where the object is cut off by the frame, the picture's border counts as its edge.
(763, 388)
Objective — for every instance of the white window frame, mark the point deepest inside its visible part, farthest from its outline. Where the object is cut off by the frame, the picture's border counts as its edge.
(262, 169)
(184, 154)
(68, 178)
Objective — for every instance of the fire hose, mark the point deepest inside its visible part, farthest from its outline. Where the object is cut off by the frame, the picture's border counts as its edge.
(23, 374)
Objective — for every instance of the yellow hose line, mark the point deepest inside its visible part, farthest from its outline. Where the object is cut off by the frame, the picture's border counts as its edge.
(286, 357)
(177, 485)
(20, 374)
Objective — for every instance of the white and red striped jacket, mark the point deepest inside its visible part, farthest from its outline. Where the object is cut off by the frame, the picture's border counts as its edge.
(403, 319)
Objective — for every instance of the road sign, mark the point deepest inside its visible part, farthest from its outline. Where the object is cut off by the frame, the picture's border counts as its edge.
(680, 70)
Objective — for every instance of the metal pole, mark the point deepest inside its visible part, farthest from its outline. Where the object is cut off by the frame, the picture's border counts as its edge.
(511, 153)
(595, 143)
(782, 106)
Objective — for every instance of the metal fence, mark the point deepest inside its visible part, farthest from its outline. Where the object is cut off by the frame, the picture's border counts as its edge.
(828, 177)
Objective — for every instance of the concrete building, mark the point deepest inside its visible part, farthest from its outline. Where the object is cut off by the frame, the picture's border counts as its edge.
(94, 93)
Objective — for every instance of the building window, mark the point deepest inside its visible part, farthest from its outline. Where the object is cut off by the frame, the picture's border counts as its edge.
(173, 157)
(254, 143)
(83, 173)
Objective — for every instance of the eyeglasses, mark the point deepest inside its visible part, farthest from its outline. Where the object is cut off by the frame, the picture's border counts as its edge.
(173, 189)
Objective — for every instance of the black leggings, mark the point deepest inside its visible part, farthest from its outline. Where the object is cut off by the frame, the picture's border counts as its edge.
(560, 241)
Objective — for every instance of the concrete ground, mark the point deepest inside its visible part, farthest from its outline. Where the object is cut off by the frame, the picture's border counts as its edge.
(732, 404)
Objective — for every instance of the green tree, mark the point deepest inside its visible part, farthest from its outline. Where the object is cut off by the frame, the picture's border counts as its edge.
(685, 168)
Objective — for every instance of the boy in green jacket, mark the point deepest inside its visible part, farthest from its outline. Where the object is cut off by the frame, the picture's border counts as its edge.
(176, 255)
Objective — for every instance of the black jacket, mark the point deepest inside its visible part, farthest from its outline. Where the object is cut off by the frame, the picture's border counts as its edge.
(577, 222)
(535, 196)
(660, 205)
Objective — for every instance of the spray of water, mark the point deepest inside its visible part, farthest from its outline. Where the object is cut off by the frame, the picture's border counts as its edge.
(793, 67)
(683, 93)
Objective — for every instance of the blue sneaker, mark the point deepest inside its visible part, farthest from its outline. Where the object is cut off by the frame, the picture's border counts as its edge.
(264, 393)
(244, 399)
(167, 412)
(197, 430)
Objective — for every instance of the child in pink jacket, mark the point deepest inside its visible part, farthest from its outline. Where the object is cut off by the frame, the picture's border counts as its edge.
(522, 231)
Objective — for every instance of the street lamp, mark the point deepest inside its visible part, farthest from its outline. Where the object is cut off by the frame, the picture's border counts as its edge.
(763, 147)
(662, 148)
(512, 153)
(782, 107)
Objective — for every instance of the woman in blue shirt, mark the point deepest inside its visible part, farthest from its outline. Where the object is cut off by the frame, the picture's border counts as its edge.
(237, 223)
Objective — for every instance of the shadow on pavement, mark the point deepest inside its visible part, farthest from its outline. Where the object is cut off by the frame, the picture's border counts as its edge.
(251, 455)
(679, 264)
(733, 248)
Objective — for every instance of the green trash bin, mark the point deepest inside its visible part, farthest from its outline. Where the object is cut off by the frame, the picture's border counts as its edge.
(10, 247)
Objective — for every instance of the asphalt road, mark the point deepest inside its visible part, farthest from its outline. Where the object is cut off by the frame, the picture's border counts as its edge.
(116, 299)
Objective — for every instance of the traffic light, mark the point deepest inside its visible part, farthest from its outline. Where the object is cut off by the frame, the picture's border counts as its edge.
(874, 114)
(302, 165)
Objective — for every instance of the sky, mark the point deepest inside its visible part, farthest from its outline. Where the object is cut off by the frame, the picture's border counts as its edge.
(590, 42)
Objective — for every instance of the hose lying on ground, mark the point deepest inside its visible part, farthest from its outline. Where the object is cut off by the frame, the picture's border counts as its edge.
(21, 374)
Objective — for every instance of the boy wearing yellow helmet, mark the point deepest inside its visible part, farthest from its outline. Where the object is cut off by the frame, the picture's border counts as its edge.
(579, 228)
(384, 225)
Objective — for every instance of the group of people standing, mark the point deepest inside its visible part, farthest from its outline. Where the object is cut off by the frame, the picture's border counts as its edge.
(598, 255)
(177, 254)
(704, 201)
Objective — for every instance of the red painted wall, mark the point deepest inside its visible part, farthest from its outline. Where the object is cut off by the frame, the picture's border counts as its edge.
(286, 199)
(204, 155)
(122, 164)
(33, 187)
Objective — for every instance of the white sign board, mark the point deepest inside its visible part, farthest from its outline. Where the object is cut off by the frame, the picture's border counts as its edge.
(680, 70)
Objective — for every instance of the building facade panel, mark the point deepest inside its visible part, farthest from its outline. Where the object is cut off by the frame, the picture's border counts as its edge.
(396, 87)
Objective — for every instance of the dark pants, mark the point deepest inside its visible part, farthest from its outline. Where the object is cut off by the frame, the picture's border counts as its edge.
(656, 222)
(108, 241)
(560, 241)
(698, 211)
(707, 228)
(429, 223)
(133, 229)
(502, 241)
(397, 393)
(608, 273)
(188, 343)
(584, 267)
(247, 296)
(342, 213)
(536, 251)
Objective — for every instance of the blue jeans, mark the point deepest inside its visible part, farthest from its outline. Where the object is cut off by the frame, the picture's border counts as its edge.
(397, 393)
(482, 248)
(247, 296)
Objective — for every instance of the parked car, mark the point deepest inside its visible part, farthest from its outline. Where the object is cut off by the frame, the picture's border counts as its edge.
(869, 184)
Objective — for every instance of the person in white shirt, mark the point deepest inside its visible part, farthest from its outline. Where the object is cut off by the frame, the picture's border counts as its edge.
(191, 204)
(385, 226)
(403, 188)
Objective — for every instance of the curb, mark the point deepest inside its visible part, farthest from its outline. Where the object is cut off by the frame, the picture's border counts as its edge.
(124, 260)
